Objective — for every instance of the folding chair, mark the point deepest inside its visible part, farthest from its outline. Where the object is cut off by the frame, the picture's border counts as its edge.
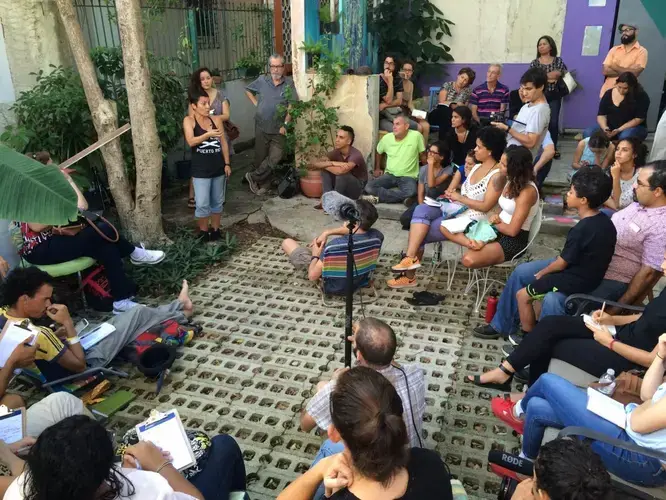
(479, 277)
(334, 274)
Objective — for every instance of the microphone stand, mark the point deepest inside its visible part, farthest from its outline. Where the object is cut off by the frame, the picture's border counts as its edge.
(349, 296)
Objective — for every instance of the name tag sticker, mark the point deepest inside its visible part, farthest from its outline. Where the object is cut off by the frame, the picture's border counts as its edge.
(634, 227)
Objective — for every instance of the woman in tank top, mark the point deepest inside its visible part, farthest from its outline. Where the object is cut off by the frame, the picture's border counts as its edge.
(201, 82)
(519, 204)
(480, 193)
(210, 165)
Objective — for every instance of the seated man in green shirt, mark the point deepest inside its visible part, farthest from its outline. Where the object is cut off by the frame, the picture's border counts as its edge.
(403, 149)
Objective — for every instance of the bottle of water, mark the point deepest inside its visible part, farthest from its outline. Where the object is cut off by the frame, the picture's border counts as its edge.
(607, 382)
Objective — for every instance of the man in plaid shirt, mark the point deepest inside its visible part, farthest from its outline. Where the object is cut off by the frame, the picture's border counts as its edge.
(374, 345)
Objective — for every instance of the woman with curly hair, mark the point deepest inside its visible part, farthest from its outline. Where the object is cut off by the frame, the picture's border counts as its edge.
(74, 460)
(519, 203)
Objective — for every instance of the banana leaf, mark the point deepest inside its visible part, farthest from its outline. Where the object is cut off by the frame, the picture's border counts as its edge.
(33, 192)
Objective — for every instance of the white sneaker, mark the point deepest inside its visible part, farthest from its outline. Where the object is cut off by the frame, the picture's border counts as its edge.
(142, 256)
(120, 306)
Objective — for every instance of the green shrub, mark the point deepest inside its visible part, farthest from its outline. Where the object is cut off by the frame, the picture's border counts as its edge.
(186, 258)
(54, 114)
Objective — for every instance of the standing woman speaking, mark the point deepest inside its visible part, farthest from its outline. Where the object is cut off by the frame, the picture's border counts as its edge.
(210, 169)
(548, 60)
(201, 82)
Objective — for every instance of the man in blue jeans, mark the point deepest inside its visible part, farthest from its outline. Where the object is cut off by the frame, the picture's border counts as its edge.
(639, 251)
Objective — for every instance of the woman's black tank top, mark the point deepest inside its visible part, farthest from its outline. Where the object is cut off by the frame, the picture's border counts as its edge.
(207, 161)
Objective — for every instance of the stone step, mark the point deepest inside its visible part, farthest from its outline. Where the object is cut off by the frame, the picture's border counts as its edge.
(558, 225)
(553, 204)
(391, 211)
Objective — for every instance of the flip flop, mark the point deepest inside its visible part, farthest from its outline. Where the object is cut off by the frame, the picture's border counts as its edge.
(191, 203)
(425, 299)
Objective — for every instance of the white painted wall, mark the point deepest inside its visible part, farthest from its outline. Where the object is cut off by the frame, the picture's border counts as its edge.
(504, 31)
(242, 110)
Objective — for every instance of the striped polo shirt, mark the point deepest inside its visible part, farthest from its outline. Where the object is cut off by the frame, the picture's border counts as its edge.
(489, 102)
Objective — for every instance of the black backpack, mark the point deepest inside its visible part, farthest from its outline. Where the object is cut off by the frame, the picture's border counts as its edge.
(289, 185)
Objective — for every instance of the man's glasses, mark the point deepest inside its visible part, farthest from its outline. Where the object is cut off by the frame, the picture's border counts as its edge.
(642, 184)
(273, 66)
(626, 30)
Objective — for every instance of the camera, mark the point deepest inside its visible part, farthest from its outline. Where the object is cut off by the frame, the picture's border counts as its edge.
(498, 116)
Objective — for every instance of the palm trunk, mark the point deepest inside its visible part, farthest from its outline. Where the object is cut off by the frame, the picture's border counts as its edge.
(147, 146)
(104, 115)
(142, 221)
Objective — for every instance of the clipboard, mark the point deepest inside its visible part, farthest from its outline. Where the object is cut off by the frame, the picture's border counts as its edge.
(12, 424)
(14, 333)
(166, 431)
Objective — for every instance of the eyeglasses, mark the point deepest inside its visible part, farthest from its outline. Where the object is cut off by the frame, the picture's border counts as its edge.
(642, 184)
(278, 66)
(626, 30)
(433, 152)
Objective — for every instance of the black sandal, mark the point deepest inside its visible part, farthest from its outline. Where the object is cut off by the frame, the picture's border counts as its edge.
(191, 203)
(504, 387)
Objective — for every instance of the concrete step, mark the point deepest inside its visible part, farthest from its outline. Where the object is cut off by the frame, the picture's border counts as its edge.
(558, 225)
(553, 204)
(391, 211)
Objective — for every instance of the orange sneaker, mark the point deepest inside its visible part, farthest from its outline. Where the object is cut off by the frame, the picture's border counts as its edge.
(401, 281)
(407, 264)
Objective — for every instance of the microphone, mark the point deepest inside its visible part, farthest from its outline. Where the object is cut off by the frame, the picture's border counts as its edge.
(511, 462)
(340, 207)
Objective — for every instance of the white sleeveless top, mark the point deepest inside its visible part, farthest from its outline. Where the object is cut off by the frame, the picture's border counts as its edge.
(476, 192)
(654, 440)
(508, 206)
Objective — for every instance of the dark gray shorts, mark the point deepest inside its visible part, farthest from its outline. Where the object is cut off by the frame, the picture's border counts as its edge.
(300, 258)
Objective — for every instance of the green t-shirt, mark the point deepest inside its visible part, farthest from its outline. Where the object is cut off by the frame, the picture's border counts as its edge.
(402, 157)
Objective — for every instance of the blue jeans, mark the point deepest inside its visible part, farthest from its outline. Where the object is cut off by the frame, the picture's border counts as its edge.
(507, 319)
(382, 188)
(640, 132)
(555, 402)
(223, 472)
(209, 195)
(326, 449)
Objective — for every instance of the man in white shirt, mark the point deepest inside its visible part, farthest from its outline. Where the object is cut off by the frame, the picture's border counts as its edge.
(530, 126)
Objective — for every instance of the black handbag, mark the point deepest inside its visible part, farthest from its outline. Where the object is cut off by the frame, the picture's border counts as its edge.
(289, 185)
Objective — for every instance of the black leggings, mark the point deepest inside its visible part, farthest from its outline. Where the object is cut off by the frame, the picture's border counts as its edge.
(87, 243)
(568, 339)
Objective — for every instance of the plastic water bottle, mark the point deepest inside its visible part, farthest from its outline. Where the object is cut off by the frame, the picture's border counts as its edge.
(607, 382)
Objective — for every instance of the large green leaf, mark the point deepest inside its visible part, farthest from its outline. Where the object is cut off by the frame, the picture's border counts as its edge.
(32, 192)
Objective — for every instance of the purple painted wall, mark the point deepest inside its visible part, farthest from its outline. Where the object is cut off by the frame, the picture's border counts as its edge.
(579, 110)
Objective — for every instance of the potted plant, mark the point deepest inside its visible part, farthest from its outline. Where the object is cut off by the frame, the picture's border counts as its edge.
(310, 134)
(251, 65)
(217, 76)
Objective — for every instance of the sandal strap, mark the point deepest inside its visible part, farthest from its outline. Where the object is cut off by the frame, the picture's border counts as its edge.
(505, 370)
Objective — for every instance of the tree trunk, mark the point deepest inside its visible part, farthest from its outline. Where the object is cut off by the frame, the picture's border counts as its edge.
(104, 115)
(147, 146)
(142, 221)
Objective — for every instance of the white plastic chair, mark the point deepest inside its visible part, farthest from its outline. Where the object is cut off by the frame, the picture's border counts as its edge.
(479, 277)
(449, 252)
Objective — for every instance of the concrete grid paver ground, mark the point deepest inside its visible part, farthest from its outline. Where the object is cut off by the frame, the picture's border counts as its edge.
(267, 340)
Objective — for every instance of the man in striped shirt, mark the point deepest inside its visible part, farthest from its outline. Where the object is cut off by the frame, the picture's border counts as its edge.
(489, 97)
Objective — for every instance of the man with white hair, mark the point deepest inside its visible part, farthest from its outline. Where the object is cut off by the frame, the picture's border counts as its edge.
(268, 93)
(489, 97)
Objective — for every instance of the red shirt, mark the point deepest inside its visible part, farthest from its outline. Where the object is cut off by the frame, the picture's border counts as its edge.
(354, 156)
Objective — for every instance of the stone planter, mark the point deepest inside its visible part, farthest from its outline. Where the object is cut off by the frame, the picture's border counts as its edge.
(311, 185)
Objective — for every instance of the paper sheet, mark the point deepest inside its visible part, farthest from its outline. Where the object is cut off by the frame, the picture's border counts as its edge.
(12, 335)
(589, 321)
(11, 426)
(607, 408)
(419, 114)
(168, 433)
(96, 335)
